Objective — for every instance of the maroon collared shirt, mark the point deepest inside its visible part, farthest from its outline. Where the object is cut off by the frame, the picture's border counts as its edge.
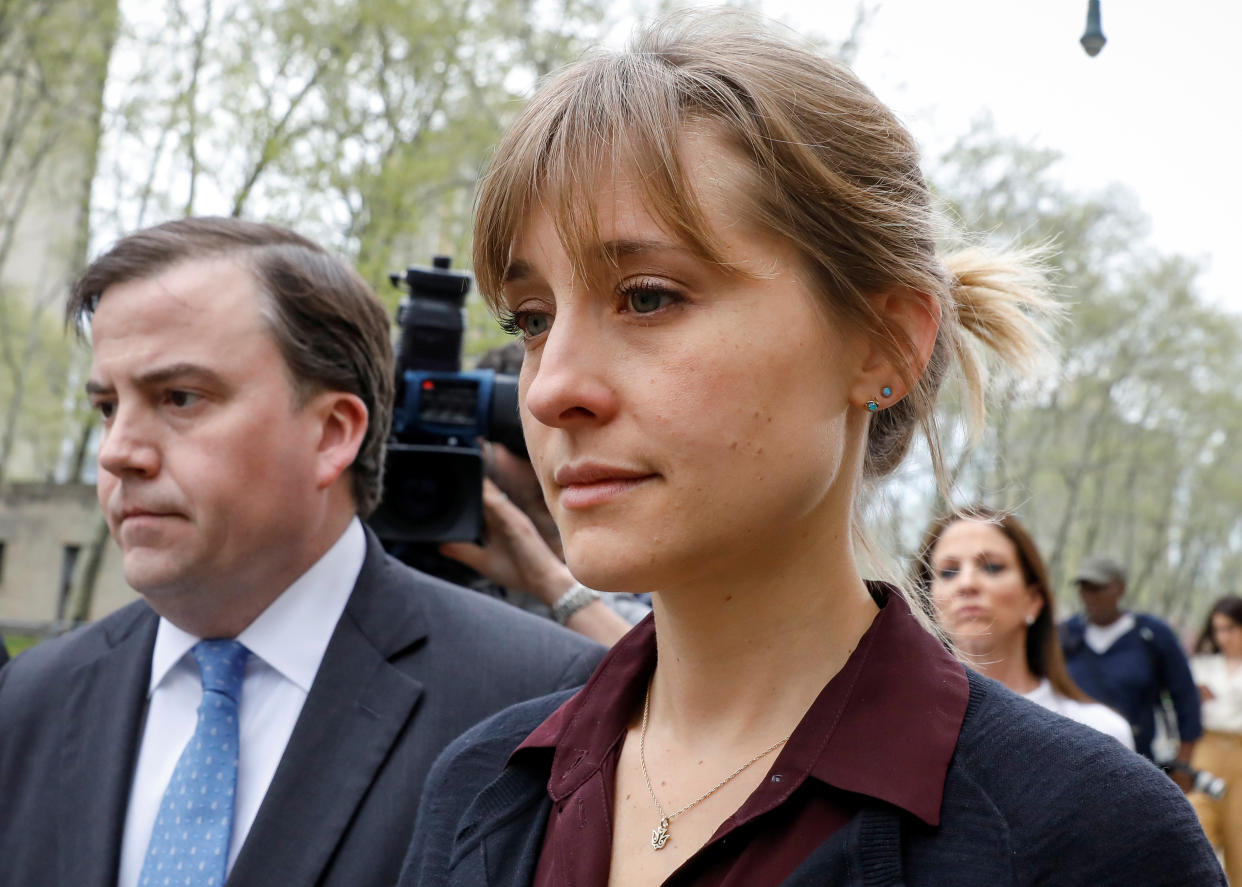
(884, 727)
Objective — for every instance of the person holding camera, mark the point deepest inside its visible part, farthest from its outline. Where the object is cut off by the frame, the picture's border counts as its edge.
(720, 253)
(267, 712)
(988, 585)
(1217, 669)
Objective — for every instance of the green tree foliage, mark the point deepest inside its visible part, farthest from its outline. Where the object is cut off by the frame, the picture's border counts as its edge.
(363, 123)
(1125, 445)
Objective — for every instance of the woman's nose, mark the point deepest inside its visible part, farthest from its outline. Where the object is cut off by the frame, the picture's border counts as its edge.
(966, 581)
(570, 381)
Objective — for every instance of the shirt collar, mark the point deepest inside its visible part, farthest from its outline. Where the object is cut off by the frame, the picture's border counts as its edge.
(292, 634)
(885, 726)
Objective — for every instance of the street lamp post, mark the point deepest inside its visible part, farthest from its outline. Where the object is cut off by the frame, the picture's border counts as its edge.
(1093, 38)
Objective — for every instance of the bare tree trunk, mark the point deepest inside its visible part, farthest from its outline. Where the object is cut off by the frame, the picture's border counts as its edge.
(200, 41)
(82, 596)
(81, 447)
(1073, 485)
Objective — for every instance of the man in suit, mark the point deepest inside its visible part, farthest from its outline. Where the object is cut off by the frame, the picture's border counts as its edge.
(268, 712)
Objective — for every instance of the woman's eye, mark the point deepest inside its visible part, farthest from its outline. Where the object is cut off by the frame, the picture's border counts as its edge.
(947, 572)
(534, 324)
(182, 399)
(645, 298)
(993, 569)
(527, 324)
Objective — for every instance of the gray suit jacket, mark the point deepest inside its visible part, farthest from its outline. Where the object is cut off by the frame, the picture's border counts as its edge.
(413, 662)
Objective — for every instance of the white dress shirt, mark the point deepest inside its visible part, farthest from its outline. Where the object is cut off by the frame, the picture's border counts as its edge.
(287, 642)
(1093, 714)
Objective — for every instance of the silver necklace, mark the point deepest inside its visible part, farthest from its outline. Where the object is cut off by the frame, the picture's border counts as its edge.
(660, 834)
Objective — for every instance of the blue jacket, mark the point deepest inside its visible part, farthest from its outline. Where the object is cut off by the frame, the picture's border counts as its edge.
(1030, 798)
(1131, 675)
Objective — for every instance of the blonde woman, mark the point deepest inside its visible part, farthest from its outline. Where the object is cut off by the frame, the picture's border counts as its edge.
(720, 254)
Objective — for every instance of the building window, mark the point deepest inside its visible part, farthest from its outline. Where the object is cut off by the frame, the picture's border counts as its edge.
(68, 560)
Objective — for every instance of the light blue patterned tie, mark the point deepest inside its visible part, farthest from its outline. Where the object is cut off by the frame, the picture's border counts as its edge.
(190, 842)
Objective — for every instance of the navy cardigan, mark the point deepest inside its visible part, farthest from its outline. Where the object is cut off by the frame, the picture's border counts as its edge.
(1030, 798)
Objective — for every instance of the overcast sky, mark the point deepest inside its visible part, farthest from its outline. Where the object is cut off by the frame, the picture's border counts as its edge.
(1159, 109)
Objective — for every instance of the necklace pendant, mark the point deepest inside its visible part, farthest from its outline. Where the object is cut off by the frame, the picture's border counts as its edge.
(660, 835)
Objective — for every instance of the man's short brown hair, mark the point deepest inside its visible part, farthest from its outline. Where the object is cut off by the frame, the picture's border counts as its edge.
(328, 324)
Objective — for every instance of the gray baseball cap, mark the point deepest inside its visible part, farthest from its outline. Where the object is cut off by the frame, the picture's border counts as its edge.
(1100, 570)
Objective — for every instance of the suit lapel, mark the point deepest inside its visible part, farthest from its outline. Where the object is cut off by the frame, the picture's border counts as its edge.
(104, 709)
(355, 711)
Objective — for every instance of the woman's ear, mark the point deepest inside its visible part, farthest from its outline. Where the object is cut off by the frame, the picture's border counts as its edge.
(341, 423)
(914, 319)
(1036, 606)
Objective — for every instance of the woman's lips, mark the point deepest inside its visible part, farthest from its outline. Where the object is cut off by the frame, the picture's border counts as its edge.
(588, 484)
(589, 495)
(971, 613)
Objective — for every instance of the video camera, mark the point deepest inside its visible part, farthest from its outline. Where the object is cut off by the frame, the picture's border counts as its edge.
(433, 476)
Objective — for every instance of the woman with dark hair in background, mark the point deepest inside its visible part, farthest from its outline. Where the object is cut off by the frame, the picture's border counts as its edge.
(988, 585)
(1217, 668)
(720, 253)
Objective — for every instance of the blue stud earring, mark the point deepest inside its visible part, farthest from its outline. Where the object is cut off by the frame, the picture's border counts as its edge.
(886, 391)
(872, 405)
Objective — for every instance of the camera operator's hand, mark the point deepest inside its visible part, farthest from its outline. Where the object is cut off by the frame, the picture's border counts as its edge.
(1184, 776)
(517, 557)
(1183, 780)
(516, 478)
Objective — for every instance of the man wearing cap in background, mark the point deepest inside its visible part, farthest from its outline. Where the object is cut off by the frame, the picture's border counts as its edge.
(1129, 660)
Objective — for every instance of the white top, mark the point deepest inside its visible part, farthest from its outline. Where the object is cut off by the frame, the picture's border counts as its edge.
(1093, 714)
(287, 642)
(1100, 637)
(1224, 712)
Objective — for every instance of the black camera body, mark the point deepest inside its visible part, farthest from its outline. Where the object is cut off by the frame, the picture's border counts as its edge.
(433, 475)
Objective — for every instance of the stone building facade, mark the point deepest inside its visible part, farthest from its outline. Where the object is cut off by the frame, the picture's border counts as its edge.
(48, 534)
